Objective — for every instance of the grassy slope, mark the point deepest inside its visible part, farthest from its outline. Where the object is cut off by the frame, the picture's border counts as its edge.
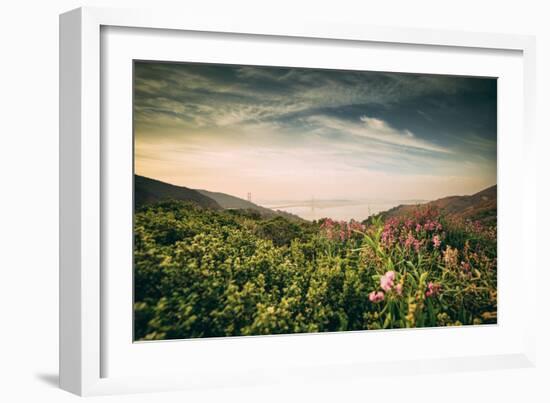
(149, 191)
(232, 202)
(480, 206)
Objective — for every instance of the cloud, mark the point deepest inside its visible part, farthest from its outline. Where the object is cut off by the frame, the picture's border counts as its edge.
(378, 130)
(304, 131)
(221, 95)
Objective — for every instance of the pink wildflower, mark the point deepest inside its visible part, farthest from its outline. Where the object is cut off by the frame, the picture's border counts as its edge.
(356, 226)
(386, 281)
(409, 241)
(433, 289)
(436, 241)
(376, 296)
(387, 233)
(399, 289)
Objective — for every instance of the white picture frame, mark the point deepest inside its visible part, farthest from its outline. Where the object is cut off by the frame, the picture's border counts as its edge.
(85, 344)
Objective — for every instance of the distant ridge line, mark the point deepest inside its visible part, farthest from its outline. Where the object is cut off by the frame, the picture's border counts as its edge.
(148, 191)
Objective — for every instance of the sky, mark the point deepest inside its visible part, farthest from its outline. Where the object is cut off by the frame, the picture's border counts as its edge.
(295, 134)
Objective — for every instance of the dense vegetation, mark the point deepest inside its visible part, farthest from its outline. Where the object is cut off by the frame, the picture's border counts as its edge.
(203, 273)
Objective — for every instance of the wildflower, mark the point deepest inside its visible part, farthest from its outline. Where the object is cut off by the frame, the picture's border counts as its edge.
(399, 289)
(433, 289)
(465, 266)
(356, 226)
(327, 223)
(387, 235)
(411, 313)
(328, 228)
(418, 227)
(450, 257)
(436, 241)
(376, 296)
(386, 281)
(478, 228)
(410, 240)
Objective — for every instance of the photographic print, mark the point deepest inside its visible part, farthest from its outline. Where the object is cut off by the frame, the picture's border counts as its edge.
(281, 200)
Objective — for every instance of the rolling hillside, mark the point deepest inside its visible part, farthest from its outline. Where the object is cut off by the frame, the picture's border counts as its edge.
(229, 202)
(232, 202)
(148, 190)
(480, 206)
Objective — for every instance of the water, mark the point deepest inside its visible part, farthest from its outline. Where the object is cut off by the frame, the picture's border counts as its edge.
(336, 209)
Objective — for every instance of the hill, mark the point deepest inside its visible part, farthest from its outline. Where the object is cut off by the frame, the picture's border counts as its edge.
(229, 202)
(480, 206)
(147, 190)
(235, 203)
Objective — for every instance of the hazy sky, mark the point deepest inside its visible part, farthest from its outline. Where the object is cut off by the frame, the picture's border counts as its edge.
(288, 133)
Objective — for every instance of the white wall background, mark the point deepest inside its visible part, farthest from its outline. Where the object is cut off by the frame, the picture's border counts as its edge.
(29, 201)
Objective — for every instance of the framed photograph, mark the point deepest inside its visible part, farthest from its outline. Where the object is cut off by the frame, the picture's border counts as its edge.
(246, 205)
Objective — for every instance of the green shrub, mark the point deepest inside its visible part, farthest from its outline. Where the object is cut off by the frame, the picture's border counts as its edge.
(207, 273)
